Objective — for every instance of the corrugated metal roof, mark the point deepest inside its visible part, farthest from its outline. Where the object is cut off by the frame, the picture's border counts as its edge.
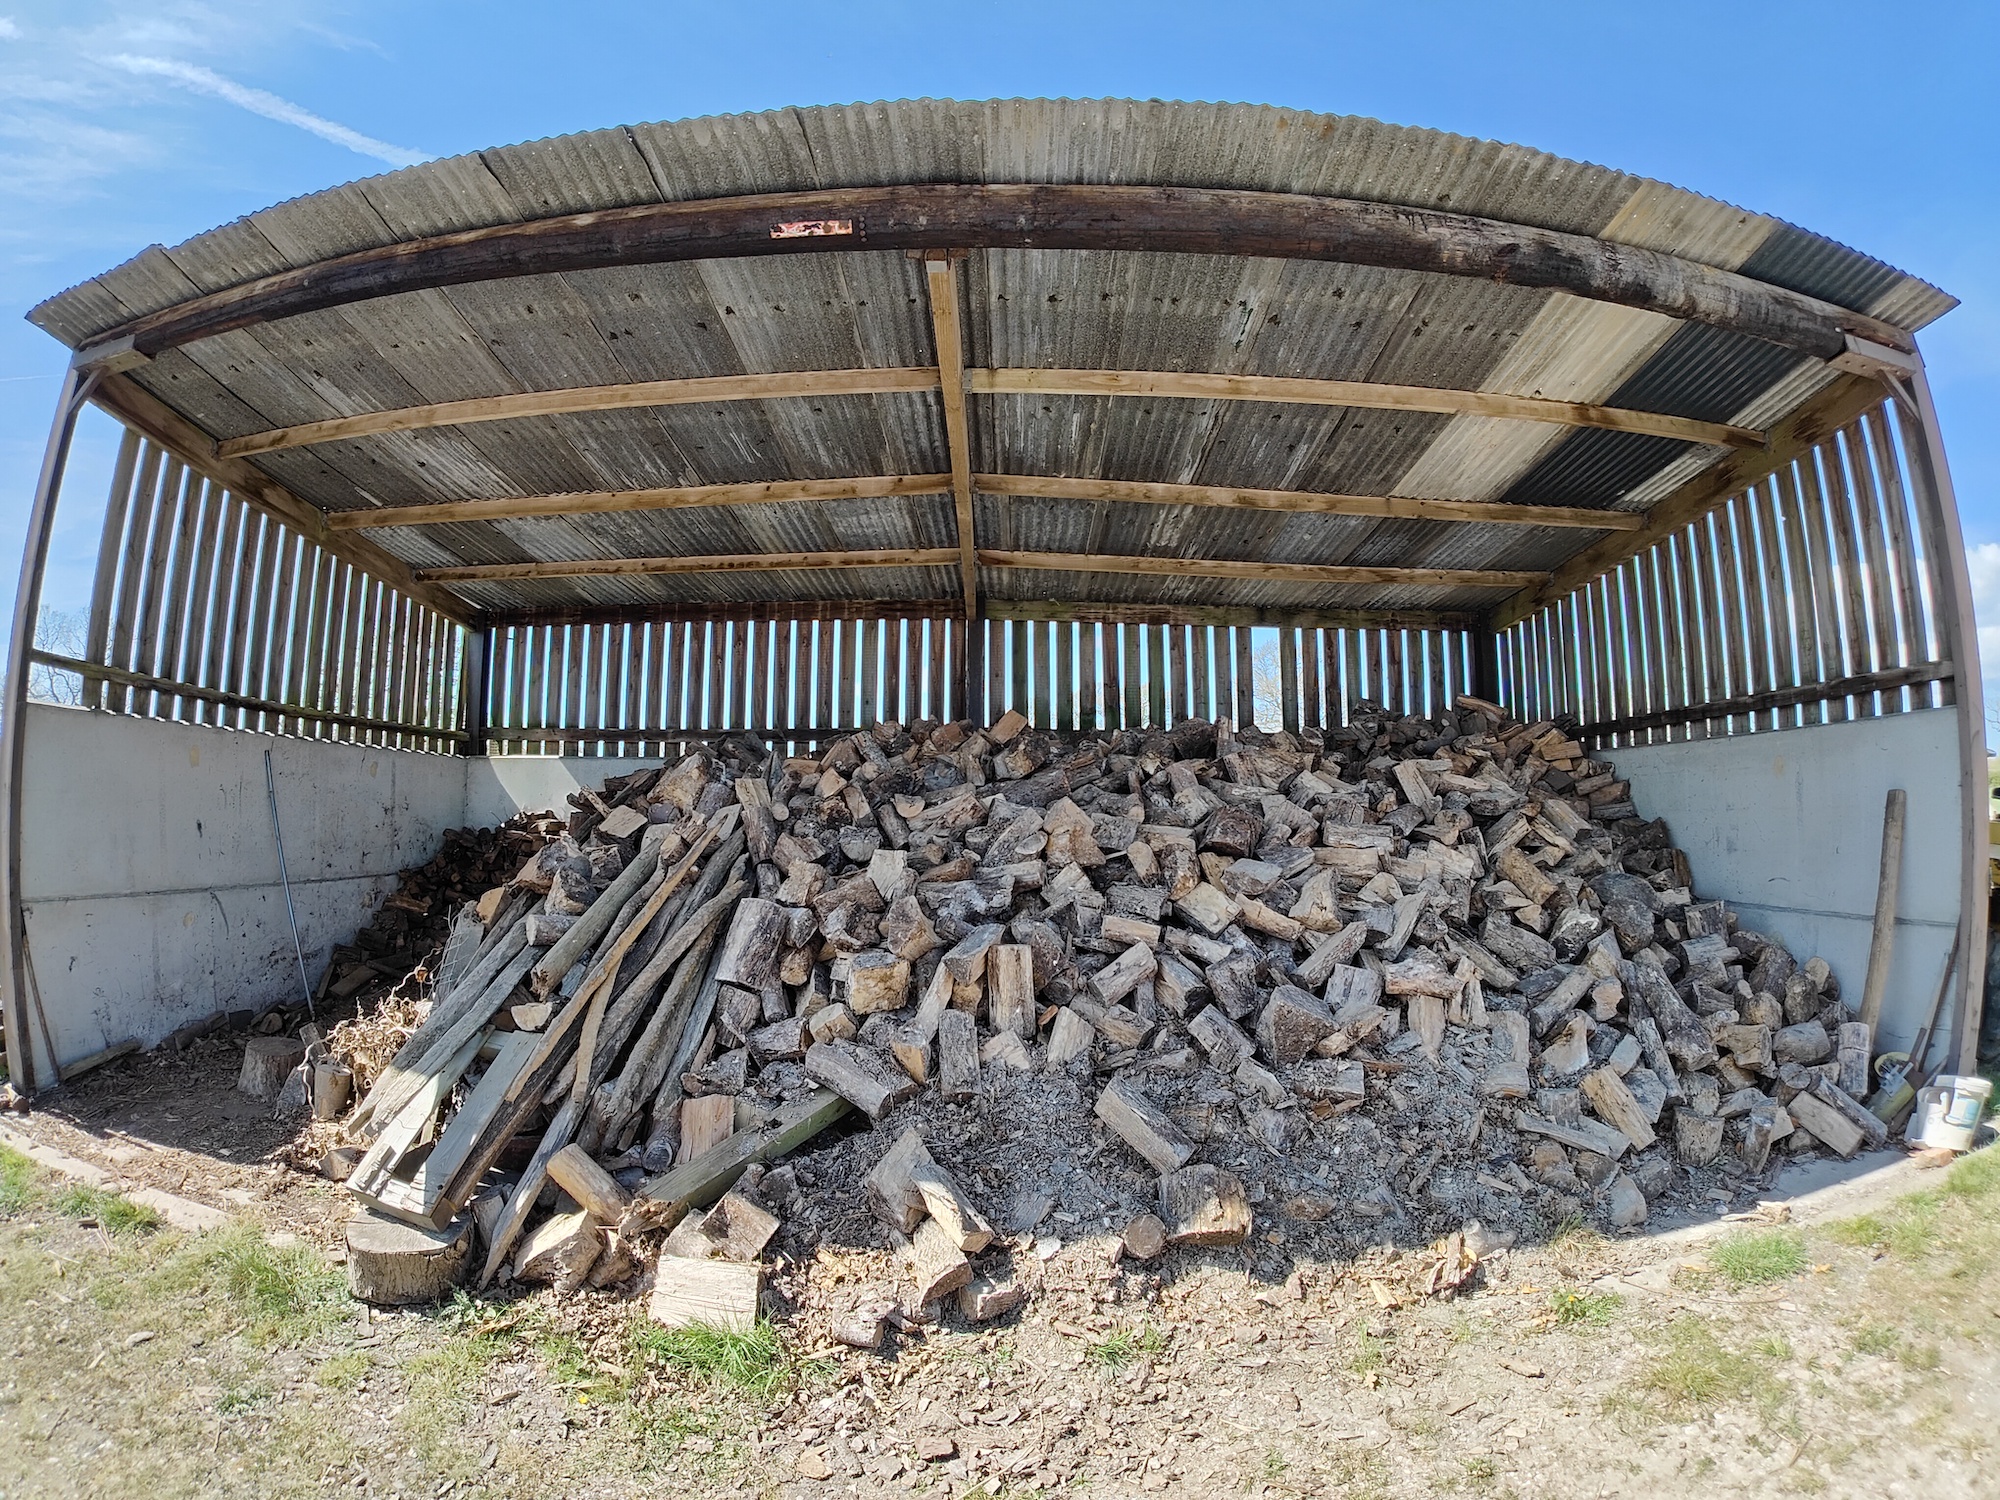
(1145, 311)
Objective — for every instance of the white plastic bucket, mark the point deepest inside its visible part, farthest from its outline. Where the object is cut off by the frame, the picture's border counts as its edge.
(1949, 1111)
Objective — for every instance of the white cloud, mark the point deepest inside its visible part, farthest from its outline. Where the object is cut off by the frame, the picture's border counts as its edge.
(8, 29)
(270, 106)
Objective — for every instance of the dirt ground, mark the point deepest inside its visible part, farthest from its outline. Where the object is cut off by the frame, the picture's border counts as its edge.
(1852, 1348)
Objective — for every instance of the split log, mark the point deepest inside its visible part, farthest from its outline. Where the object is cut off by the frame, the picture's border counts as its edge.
(718, 1294)
(1204, 1205)
(859, 1075)
(560, 1251)
(1140, 1124)
(595, 1189)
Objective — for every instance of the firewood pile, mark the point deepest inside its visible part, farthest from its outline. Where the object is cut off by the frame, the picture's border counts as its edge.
(1387, 980)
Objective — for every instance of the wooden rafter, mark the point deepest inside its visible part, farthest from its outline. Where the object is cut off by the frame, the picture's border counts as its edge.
(994, 609)
(1231, 497)
(745, 562)
(612, 502)
(1057, 216)
(146, 414)
(1259, 572)
(789, 385)
(817, 384)
(941, 557)
(1228, 497)
(1361, 393)
(942, 280)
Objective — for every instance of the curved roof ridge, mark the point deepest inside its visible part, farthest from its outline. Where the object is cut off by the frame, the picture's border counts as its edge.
(1265, 147)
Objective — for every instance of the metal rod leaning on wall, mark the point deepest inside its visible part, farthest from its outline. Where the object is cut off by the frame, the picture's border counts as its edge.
(76, 388)
(285, 878)
(1944, 544)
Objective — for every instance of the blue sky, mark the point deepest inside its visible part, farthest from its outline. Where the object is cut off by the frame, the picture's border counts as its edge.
(123, 124)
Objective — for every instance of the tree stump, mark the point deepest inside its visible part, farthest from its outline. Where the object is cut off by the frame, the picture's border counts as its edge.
(267, 1062)
(333, 1084)
(394, 1265)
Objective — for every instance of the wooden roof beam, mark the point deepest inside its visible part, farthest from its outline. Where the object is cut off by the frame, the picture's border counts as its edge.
(1261, 572)
(1228, 497)
(944, 557)
(820, 384)
(616, 502)
(1058, 216)
(941, 281)
(1361, 393)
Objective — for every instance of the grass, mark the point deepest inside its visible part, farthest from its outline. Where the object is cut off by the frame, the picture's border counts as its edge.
(283, 1296)
(1759, 1257)
(1693, 1371)
(1573, 1306)
(17, 1181)
(1370, 1353)
(752, 1361)
(1118, 1349)
(115, 1214)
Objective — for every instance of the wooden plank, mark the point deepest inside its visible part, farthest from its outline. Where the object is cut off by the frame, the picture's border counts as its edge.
(945, 216)
(1638, 661)
(1065, 674)
(1673, 627)
(1201, 653)
(753, 562)
(941, 288)
(1133, 714)
(824, 632)
(1289, 716)
(1826, 588)
(1045, 700)
(1336, 692)
(1777, 597)
(1309, 663)
(152, 587)
(132, 566)
(309, 635)
(1875, 553)
(1113, 670)
(1603, 633)
(1310, 502)
(1242, 708)
(1392, 672)
(1798, 570)
(1352, 393)
(1172, 567)
(257, 625)
(1353, 683)
(177, 601)
(1848, 562)
(209, 571)
(790, 385)
(1903, 560)
(624, 502)
(110, 547)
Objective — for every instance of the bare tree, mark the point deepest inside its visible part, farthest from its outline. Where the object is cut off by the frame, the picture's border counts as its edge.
(1266, 684)
(60, 632)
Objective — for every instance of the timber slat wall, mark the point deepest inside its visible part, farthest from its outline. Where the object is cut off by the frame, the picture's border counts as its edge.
(1804, 600)
(644, 687)
(207, 610)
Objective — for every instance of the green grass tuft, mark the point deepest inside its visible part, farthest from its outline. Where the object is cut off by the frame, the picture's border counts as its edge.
(1120, 1348)
(17, 1181)
(1573, 1306)
(1693, 1371)
(752, 1361)
(284, 1296)
(1756, 1258)
(117, 1215)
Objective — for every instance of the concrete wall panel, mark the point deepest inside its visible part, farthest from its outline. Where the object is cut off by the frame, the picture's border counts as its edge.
(1787, 827)
(150, 876)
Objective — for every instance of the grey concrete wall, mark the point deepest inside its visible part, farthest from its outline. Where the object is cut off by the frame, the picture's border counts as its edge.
(1787, 827)
(150, 878)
